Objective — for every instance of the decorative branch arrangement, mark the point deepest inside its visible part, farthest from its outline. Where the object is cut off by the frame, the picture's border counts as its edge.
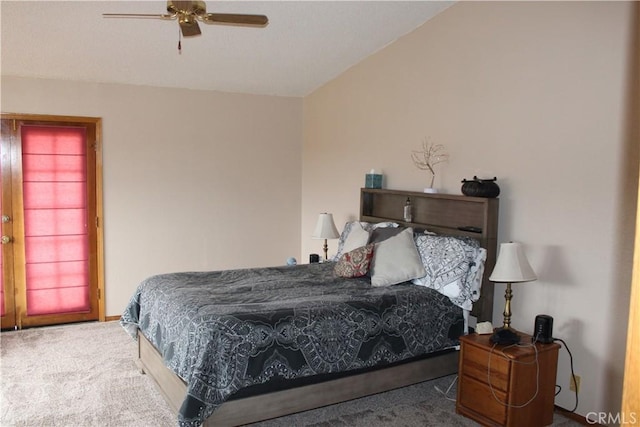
(431, 155)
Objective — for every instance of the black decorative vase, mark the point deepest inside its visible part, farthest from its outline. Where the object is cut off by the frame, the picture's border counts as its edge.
(480, 187)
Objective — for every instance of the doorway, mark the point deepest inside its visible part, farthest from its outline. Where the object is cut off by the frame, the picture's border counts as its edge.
(51, 206)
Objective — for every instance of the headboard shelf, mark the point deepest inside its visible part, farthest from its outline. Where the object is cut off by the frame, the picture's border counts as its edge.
(450, 214)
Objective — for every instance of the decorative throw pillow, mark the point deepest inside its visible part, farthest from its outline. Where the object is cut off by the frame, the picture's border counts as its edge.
(396, 260)
(355, 263)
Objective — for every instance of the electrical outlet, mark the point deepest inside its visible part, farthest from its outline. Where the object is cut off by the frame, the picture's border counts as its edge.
(574, 385)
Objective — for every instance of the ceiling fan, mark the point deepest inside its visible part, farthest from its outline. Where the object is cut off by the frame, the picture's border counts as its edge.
(188, 13)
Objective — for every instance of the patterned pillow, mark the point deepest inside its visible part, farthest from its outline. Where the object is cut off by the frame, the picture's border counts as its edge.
(454, 267)
(355, 263)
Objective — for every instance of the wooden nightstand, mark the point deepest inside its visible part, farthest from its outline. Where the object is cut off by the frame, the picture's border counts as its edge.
(512, 377)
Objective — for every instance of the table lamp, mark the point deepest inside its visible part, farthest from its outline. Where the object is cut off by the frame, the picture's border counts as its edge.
(511, 267)
(325, 229)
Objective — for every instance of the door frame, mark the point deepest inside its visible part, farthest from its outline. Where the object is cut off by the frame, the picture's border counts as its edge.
(96, 123)
(7, 228)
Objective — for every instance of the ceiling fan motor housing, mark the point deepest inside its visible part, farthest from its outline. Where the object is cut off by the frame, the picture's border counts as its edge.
(187, 7)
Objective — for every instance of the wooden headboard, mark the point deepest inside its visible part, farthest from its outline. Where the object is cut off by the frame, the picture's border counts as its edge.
(443, 214)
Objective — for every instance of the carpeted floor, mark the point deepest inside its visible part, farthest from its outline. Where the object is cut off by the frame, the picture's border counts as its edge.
(84, 375)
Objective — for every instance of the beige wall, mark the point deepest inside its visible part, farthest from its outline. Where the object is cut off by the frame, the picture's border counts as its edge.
(535, 94)
(193, 180)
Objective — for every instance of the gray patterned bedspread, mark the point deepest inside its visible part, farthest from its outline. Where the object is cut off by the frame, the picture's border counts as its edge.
(227, 330)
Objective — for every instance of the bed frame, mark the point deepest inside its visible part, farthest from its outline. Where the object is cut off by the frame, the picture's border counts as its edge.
(441, 213)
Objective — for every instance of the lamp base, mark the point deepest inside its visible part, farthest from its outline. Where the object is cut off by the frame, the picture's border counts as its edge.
(325, 248)
(504, 336)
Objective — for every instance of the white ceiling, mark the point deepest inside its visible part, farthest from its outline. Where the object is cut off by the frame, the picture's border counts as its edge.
(305, 45)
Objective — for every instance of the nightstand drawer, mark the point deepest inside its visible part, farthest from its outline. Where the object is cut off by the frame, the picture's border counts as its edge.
(476, 361)
(476, 396)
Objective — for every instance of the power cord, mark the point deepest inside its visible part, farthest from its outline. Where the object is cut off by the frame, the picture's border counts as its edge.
(446, 393)
(573, 375)
(507, 404)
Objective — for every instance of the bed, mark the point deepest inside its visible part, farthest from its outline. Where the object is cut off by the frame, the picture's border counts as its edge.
(238, 346)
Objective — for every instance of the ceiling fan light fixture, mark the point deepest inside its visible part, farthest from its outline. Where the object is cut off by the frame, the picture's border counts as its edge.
(186, 19)
(188, 13)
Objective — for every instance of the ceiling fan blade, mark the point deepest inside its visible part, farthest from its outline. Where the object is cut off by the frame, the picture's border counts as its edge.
(138, 15)
(232, 18)
(189, 27)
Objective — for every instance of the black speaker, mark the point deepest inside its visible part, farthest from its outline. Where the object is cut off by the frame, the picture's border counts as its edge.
(313, 258)
(543, 329)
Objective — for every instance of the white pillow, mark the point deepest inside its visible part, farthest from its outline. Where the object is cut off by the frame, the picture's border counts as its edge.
(396, 260)
(357, 238)
(351, 225)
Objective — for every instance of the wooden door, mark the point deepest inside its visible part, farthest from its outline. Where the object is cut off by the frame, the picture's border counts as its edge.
(50, 230)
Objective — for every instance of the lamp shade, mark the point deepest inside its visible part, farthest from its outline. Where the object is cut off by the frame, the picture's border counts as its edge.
(325, 228)
(512, 265)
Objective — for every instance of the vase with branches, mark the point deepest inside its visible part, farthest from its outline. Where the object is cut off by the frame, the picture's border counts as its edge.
(427, 158)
